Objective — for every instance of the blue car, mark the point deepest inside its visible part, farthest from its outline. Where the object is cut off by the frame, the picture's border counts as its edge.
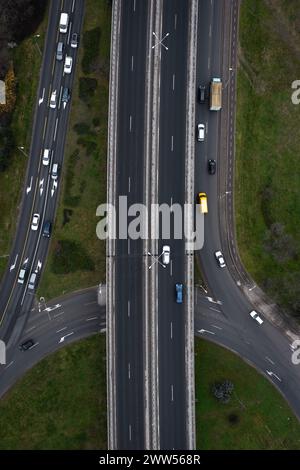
(179, 293)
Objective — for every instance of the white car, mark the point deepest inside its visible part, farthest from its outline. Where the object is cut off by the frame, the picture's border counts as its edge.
(220, 258)
(53, 100)
(68, 64)
(166, 254)
(46, 157)
(256, 317)
(35, 222)
(201, 132)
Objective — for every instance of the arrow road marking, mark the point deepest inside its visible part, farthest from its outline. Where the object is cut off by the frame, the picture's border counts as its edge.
(63, 337)
(54, 186)
(206, 331)
(210, 299)
(49, 309)
(28, 189)
(13, 265)
(41, 184)
(271, 374)
(42, 98)
(39, 265)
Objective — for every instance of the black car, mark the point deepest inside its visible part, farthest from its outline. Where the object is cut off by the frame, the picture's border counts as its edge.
(212, 165)
(202, 93)
(47, 229)
(66, 95)
(26, 345)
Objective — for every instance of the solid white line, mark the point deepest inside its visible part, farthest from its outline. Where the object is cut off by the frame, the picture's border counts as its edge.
(55, 131)
(91, 318)
(73, 5)
(62, 329)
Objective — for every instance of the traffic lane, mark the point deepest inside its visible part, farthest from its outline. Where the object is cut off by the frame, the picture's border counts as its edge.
(129, 320)
(171, 189)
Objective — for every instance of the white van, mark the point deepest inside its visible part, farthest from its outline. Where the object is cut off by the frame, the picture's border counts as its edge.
(63, 22)
(46, 157)
(32, 281)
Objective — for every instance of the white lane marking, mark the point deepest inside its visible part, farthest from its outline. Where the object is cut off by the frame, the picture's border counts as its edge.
(210, 299)
(12, 267)
(272, 374)
(73, 5)
(58, 314)
(270, 360)
(172, 143)
(49, 309)
(91, 319)
(208, 63)
(214, 309)
(130, 123)
(128, 308)
(217, 327)
(128, 246)
(172, 393)
(54, 186)
(132, 63)
(69, 34)
(129, 183)
(28, 189)
(129, 370)
(134, 1)
(129, 432)
(42, 97)
(90, 303)
(8, 365)
(175, 21)
(206, 331)
(41, 186)
(171, 268)
(30, 329)
(103, 330)
(171, 332)
(66, 336)
(34, 345)
(173, 82)
(55, 130)
(210, 30)
(62, 329)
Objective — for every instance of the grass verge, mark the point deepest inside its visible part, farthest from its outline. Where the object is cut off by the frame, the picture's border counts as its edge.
(60, 403)
(26, 61)
(83, 182)
(257, 417)
(267, 189)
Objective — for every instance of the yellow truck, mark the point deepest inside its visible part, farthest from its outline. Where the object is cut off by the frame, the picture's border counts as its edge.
(215, 94)
(202, 201)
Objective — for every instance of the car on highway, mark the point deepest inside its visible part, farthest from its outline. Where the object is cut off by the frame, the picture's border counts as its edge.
(60, 51)
(256, 317)
(68, 64)
(202, 201)
(65, 96)
(22, 275)
(220, 259)
(63, 22)
(35, 222)
(74, 40)
(200, 132)
(46, 157)
(53, 99)
(54, 171)
(32, 281)
(179, 292)
(201, 92)
(47, 229)
(212, 165)
(26, 345)
(166, 254)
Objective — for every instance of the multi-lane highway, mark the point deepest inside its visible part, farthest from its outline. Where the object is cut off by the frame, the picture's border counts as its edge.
(41, 187)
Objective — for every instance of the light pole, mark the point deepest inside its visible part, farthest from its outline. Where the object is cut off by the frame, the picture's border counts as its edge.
(226, 84)
(23, 151)
(36, 43)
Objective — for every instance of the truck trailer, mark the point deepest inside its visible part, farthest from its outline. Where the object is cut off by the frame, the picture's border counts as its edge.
(215, 94)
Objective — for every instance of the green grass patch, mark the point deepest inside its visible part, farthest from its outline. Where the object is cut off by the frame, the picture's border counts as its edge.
(69, 257)
(267, 195)
(256, 417)
(60, 403)
(83, 177)
(26, 63)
